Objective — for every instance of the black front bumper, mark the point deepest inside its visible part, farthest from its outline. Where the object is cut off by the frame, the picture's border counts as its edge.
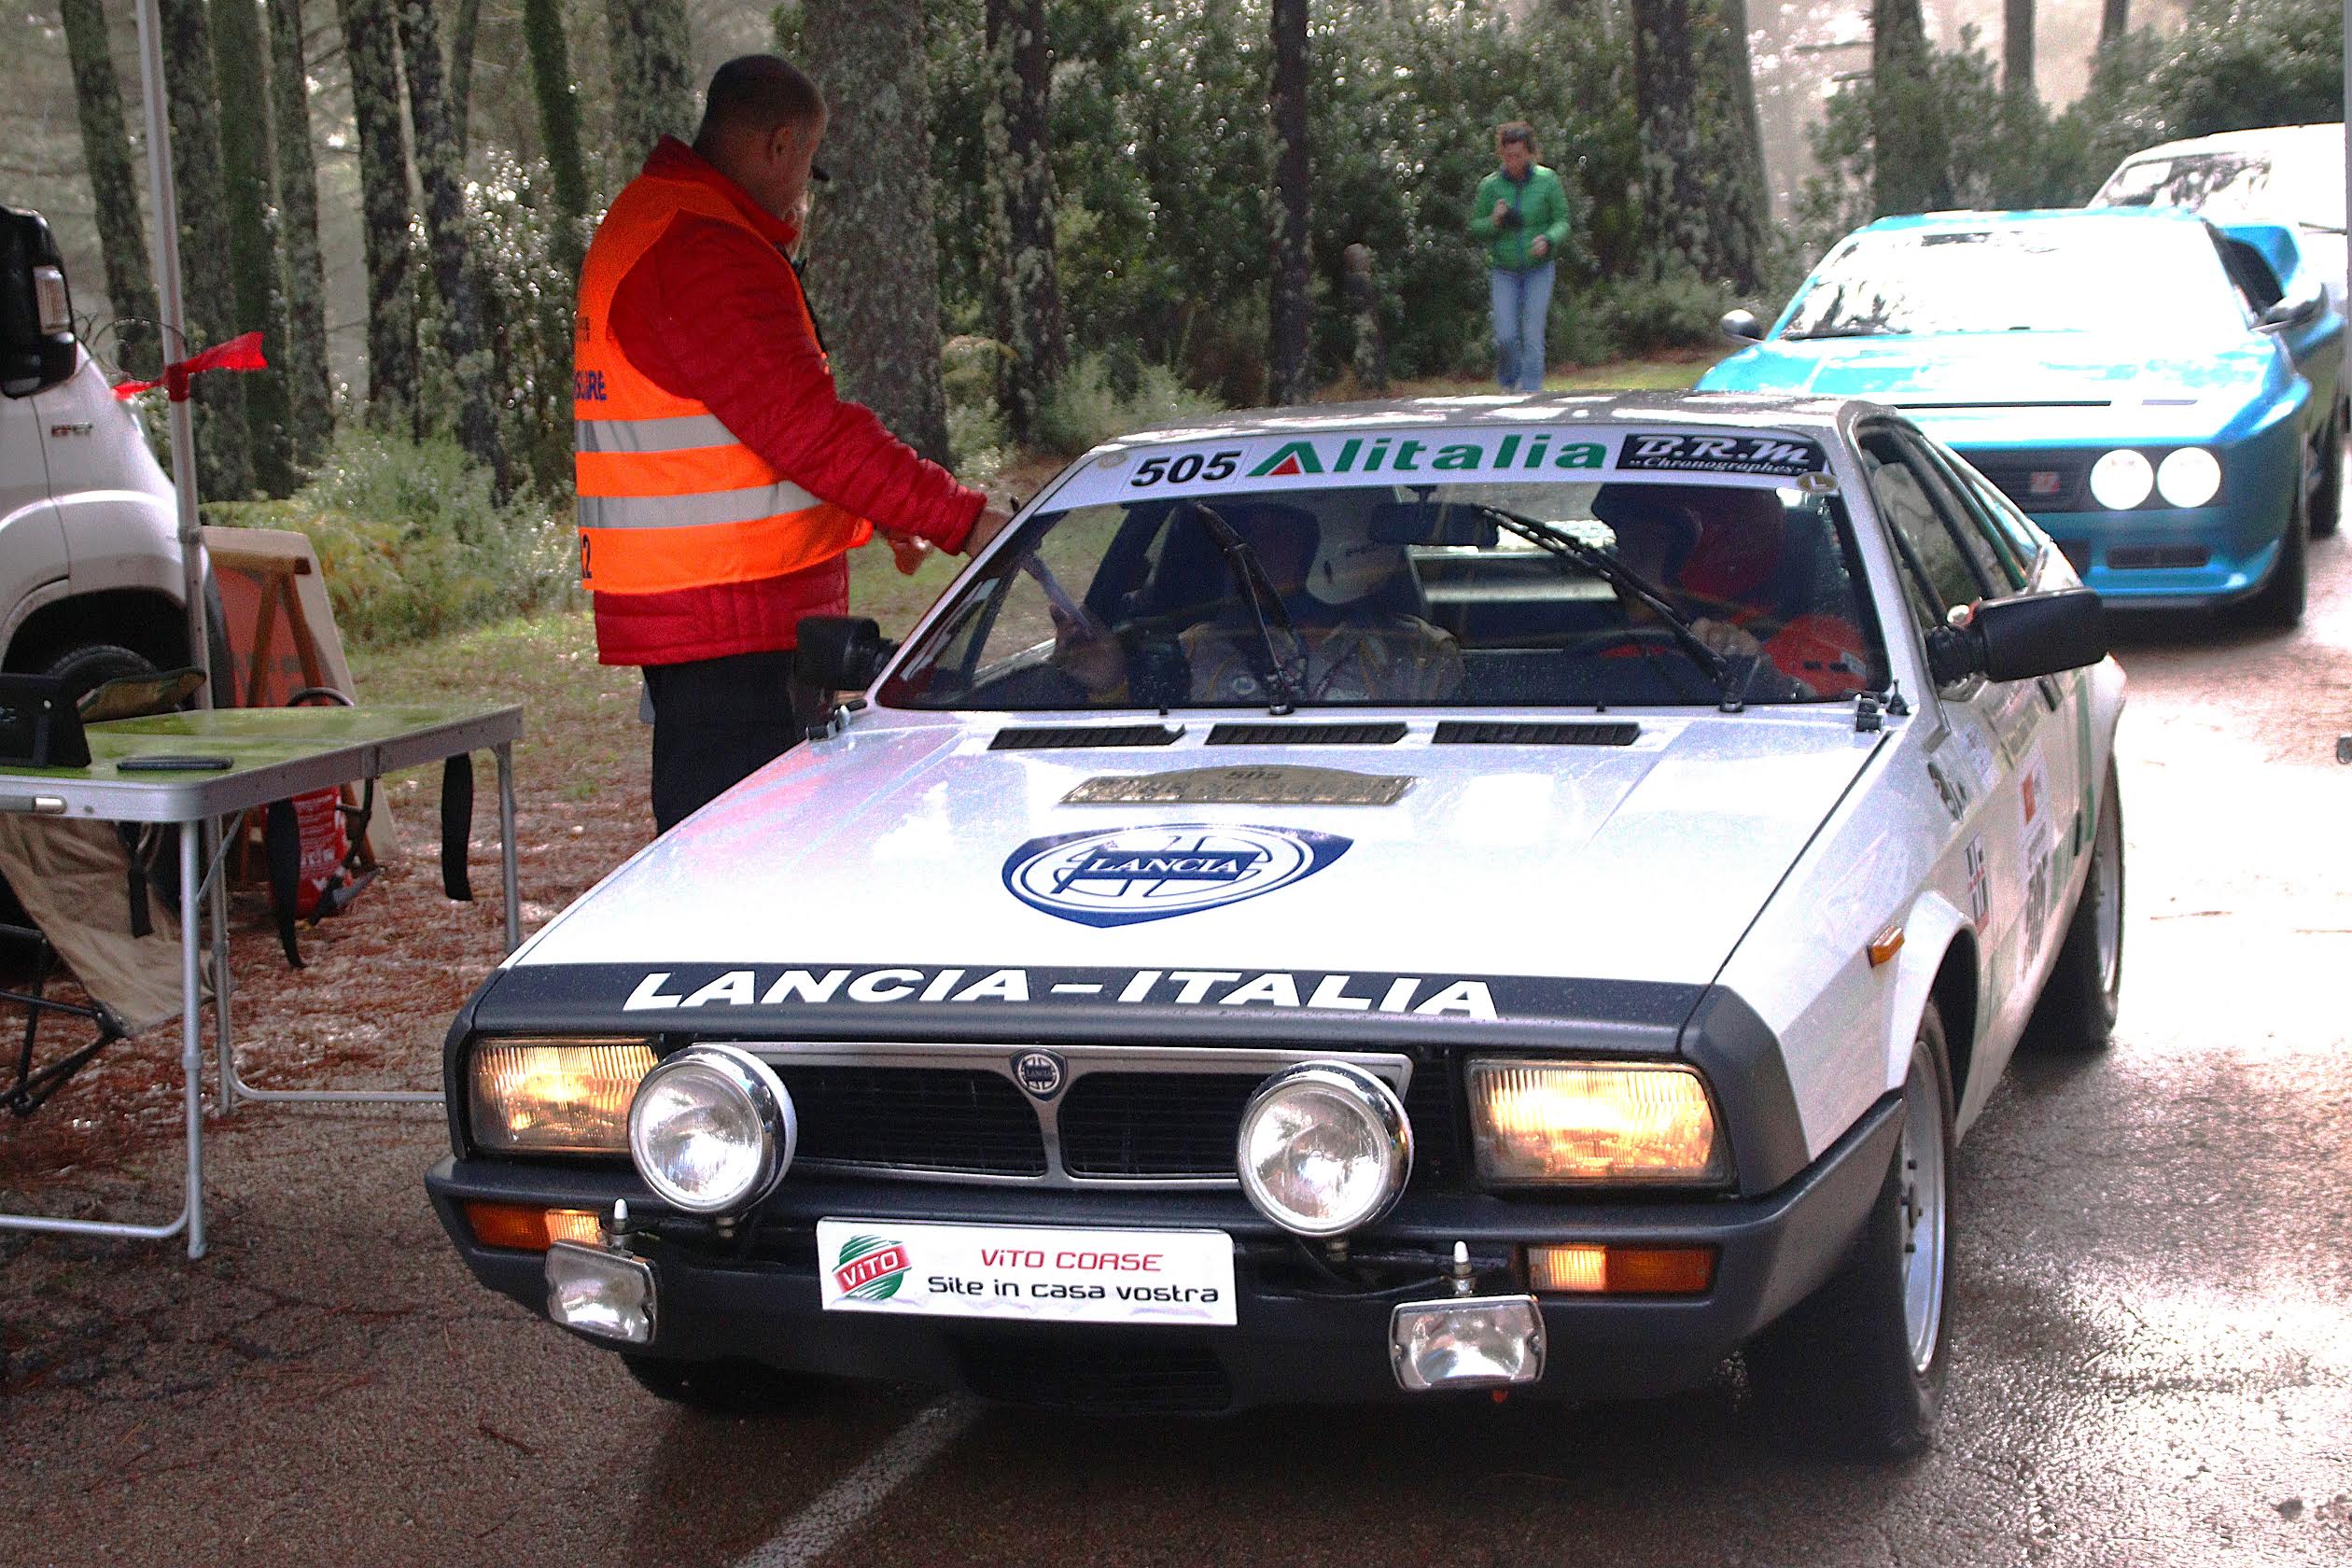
(758, 1299)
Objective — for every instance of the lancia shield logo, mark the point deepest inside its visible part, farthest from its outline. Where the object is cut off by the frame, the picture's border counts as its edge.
(1040, 1073)
(1131, 875)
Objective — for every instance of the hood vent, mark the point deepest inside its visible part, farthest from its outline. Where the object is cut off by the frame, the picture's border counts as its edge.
(1307, 734)
(1512, 733)
(1071, 737)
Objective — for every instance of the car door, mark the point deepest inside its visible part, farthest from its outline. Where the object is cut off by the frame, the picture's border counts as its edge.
(1993, 751)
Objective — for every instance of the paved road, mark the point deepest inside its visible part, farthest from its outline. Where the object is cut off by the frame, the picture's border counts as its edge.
(2153, 1294)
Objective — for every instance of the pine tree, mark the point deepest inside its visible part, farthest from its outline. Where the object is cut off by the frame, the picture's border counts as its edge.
(652, 89)
(224, 463)
(241, 70)
(462, 35)
(464, 328)
(1019, 140)
(2115, 20)
(106, 152)
(2017, 48)
(874, 265)
(1702, 148)
(1288, 311)
(1909, 169)
(558, 102)
(303, 357)
(368, 51)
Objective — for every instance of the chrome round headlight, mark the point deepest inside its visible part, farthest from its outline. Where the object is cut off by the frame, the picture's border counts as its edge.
(712, 1129)
(1324, 1148)
(2122, 479)
(2190, 476)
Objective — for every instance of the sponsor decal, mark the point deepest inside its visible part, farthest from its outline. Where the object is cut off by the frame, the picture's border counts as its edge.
(1040, 1073)
(1415, 995)
(1980, 893)
(1468, 453)
(871, 1267)
(1128, 876)
(1776, 455)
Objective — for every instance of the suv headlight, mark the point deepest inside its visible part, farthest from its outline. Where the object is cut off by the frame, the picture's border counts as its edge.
(1535, 1122)
(712, 1129)
(555, 1097)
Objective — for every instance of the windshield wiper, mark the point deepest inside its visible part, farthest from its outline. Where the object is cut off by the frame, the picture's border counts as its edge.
(1732, 681)
(1286, 687)
(1845, 332)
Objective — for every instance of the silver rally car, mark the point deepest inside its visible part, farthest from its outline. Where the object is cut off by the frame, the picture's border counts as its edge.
(1347, 904)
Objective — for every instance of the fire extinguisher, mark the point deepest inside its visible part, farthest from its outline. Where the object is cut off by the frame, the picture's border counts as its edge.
(313, 842)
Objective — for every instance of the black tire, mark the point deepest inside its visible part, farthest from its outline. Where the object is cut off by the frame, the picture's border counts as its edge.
(2280, 603)
(2327, 502)
(2077, 1006)
(729, 1388)
(1838, 1373)
(86, 668)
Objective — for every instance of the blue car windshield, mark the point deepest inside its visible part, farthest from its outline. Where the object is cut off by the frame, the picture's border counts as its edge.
(1263, 588)
(2035, 277)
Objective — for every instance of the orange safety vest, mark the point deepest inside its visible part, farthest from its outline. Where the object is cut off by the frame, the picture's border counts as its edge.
(669, 498)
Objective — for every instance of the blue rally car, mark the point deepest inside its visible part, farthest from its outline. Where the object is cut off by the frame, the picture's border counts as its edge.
(2161, 395)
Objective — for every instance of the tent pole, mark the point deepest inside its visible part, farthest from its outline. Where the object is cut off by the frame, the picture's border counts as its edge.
(174, 344)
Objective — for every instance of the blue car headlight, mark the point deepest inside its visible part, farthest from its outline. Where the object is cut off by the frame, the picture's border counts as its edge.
(2122, 479)
(2190, 476)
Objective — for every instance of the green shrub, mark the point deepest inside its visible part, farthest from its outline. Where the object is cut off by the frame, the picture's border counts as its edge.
(1641, 315)
(1087, 407)
(978, 445)
(412, 542)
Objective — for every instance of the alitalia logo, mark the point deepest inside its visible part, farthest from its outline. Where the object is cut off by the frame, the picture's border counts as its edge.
(871, 1268)
(1404, 454)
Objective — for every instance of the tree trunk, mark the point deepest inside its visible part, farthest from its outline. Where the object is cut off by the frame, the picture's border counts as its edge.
(464, 335)
(1287, 313)
(368, 49)
(241, 70)
(874, 265)
(2017, 48)
(652, 89)
(106, 153)
(1028, 306)
(224, 462)
(559, 126)
(303, 356)
(1739, 199)
(461, 62)
(1909, 168)
(2115, 20)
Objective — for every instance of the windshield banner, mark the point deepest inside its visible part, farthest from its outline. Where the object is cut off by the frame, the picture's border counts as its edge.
(1484, 455)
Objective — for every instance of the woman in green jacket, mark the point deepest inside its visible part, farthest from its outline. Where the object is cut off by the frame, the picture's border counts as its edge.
(1521, 213)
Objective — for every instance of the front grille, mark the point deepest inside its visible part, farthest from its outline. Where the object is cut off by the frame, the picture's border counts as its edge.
(2175, 557)
(946, 1120)
(1142, 1374)
(2035, 481)
(1154, 1123)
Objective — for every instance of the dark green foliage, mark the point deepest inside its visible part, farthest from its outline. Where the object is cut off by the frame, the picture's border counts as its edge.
(557, 98)
(106, 153)
(2246, 63)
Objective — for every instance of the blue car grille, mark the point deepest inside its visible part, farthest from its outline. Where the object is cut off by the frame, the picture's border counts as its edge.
(2038, 481)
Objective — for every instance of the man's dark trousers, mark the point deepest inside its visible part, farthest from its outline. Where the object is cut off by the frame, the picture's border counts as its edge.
(717, 721)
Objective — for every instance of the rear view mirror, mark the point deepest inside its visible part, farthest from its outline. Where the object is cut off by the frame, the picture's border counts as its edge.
(37, 314)
(1740, 325)
(1430, 523)
(2294, 311)
(841, 653)
(2016, 640)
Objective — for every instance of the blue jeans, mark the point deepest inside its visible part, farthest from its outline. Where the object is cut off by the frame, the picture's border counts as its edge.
(1522, 303)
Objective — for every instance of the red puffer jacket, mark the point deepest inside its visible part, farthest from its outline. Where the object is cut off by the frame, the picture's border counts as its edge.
(701, 315)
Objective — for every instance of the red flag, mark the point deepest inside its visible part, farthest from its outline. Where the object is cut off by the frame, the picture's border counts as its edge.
(242, 352)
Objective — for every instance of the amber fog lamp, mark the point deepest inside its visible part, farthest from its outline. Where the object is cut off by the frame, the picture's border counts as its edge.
(528, 1227)
(555, 1097)
(1586, 1270)
(1597, 1122)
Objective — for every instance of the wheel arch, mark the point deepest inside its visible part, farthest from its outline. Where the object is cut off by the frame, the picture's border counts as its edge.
(1941, 963)
(139, 619)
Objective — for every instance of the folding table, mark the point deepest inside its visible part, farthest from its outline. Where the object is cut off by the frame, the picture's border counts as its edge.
(274, 753)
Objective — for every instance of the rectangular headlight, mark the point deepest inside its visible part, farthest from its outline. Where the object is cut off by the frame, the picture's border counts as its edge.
(556, 1096)
(1593, 1122)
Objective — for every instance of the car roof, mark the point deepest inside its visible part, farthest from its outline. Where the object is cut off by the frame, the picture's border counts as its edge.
(2029, 216)
(1794, 413)
(2264, 138)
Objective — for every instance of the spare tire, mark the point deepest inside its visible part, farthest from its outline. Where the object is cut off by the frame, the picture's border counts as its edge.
(86, 668)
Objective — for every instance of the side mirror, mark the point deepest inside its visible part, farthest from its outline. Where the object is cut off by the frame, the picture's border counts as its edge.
(1740, 325)
(2296, 310)
(37, 314)
(2016, 640)
(841, 653)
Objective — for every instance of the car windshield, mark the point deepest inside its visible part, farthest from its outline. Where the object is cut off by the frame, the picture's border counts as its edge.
(2235, 187)
(2111, 276)
(1470, 568)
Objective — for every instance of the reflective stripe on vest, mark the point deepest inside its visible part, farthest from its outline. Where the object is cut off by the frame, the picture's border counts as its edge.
(669, 498)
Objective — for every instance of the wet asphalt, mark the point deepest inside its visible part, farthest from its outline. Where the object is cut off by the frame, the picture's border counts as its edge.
(2152, 1300)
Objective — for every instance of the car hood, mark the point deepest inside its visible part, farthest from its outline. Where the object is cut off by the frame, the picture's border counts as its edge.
(911, 846)
(1990, 387)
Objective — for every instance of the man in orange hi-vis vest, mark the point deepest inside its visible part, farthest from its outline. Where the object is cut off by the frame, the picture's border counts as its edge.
(722, 478)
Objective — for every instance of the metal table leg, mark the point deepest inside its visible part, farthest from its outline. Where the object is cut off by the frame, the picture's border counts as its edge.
(506, 848)
(216, 881)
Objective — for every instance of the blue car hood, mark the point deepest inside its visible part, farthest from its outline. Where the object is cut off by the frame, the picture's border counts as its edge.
(1998, 389)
